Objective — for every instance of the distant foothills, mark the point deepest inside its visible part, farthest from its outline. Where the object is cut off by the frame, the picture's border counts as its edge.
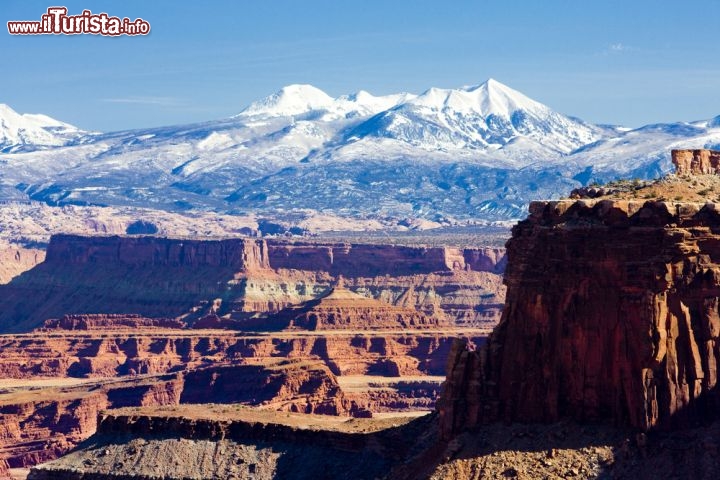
(472, 155)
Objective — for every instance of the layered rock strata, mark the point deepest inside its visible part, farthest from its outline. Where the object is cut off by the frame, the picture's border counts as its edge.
(41, 423)
(80, 354)
(64, 377)
(342, 309)
(612, 313)
(109, 322)
(240, 279)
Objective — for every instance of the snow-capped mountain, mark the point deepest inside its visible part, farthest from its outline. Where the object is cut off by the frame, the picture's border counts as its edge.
(484, 117)
(447, 155)
(23, 132)
(309, 101)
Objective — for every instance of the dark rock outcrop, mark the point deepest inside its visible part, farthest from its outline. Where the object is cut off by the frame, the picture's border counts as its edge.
(109, 322)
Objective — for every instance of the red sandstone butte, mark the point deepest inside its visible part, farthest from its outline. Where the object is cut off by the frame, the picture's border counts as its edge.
(612, 313)
(341, 309)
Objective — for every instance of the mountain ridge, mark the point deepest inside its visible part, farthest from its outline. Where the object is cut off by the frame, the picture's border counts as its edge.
(19, 131)
(448, 156)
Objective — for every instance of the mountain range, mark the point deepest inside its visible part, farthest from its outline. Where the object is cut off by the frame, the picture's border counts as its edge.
(447, 156)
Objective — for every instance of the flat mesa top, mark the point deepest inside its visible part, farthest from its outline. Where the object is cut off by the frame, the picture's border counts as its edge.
(703, 188)
(696, 180)
(237, 413)
(213, 333)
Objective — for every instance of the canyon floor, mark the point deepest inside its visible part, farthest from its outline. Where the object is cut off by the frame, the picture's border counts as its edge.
(231, 442)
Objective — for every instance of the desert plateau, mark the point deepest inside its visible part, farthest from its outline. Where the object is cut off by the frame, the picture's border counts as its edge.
(408, 240)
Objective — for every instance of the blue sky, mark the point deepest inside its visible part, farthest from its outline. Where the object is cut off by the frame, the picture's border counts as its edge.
(625, 62)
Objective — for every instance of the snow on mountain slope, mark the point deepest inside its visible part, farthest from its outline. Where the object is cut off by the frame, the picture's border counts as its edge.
(488, 116)
(28, 131)
(289, 101)
(471, 154)
(314, 104)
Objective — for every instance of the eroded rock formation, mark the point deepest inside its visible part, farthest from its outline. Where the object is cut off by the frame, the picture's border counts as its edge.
(109, 322)
(41, 424)
(105, 364)
(342, 309)
(243, 278)
(81, 354)
(696, 162)
(612, 313)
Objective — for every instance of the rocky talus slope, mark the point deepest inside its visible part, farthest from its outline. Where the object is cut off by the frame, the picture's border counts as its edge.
(612, 313)
(232, 443)
(44, 421)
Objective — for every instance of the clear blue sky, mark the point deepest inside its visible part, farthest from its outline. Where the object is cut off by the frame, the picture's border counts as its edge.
(626, 62)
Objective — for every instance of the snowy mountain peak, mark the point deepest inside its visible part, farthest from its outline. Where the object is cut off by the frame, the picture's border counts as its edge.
(27, 131)
(288, 101)
(488, 98)
(476, 152)
(486, 117)
(5, 109)
(499, 99)
(295, 100)
(359, 96)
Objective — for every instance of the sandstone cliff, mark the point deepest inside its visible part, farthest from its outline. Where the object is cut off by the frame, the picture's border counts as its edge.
(38, 424)
(15, 260)
(245, 278)
(612, 313)
(88, 354)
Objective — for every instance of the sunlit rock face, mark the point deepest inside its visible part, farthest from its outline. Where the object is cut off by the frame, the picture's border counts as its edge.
(612, 313)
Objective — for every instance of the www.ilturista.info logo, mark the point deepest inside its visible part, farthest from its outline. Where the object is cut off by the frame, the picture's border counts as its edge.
(57, 22)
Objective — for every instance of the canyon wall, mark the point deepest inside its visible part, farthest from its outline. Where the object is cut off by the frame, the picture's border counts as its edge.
(352, 260)
(45, 423)
(80, 354)
(63, 378)
(15, 260)
(612, 313)
(243, 278)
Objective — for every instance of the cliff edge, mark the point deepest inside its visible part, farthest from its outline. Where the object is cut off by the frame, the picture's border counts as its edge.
(612, 314)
